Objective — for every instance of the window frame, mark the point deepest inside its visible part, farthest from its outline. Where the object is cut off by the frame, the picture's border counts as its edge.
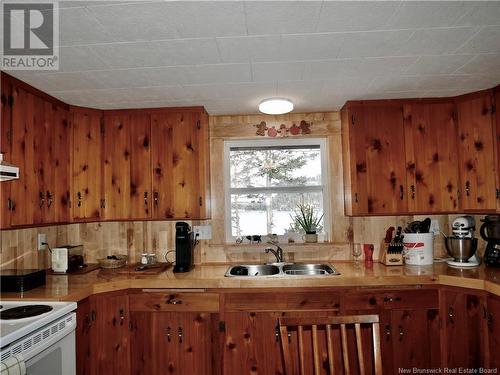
(323, 147)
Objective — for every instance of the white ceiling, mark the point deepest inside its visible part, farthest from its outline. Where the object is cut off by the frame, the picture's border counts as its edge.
(228, 56)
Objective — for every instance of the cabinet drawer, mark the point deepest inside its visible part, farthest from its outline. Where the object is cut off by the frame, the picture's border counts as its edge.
(376, 300)
(282, 301)
(175, 301)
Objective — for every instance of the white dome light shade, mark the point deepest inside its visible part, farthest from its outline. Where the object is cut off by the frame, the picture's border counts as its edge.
(275, 106)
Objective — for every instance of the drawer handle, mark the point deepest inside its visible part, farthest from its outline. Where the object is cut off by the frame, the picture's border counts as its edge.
(390, 299)
(174, 301)
(180, 334)
(401, 333)
(168, 331)
(387, 330)
(451, 312)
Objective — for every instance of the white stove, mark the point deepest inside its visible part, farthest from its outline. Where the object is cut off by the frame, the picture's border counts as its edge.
(42, 332)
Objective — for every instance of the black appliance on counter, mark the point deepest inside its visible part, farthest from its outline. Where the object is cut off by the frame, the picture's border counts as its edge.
(184, 246)
(490, 232)
(21, 280)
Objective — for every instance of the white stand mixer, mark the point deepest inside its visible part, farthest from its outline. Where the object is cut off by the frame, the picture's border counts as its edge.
(462, 245)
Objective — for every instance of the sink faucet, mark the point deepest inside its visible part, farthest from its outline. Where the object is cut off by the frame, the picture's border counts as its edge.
(278, 253)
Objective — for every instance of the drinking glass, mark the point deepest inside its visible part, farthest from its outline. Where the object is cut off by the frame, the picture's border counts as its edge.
(357, 250)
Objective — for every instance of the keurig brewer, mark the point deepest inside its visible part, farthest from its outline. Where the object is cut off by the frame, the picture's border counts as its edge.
(184, 245)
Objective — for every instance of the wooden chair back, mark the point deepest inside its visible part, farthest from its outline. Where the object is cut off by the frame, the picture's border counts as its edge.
(300, 324)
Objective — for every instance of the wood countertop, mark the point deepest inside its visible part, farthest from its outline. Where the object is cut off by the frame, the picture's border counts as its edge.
(211, 276)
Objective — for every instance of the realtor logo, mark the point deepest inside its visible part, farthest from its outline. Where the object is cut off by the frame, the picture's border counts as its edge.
(30, 36)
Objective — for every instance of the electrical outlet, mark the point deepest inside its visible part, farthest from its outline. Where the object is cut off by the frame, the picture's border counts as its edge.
(204, 232)
(42, 238)
(434, 227)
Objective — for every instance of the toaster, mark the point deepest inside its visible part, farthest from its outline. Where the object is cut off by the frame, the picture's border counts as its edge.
(67, 258)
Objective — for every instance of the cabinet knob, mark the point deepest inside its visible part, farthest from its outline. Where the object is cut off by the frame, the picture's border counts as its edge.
(391, 299)
(179, 333)
(451, 312)
(79, 199)
(168, 332)
(156, 198)
(387, 330)
(173, 301)
(412, 191)
(401, 333)
(467, 188)
(146, 198)
(401, 192)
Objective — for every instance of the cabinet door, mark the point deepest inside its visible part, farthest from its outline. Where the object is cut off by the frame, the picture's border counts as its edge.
(497, 112)
(127, 177)
(377, 159)
(25, 196)
(6, 150)
(251, 344)
(493, 320)
(477, 164)
(86, 165)
(110, 336)
(176, 343)
(431, 151)
(176, 169)
(415, 338)
(58, 195)
(83, 333)
(463, 338)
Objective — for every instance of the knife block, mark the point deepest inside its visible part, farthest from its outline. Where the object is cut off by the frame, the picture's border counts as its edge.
(392, 254)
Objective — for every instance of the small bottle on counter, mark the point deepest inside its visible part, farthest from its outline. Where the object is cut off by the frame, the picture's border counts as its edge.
(144, 258)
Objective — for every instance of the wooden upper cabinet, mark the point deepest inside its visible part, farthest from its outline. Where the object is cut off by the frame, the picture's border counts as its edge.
(59, 196)
(6, 150)
(476, 156)
(374, 159)
(86, 179)
(431, 157)
(127, 166)
(497, 115)
(180, 164)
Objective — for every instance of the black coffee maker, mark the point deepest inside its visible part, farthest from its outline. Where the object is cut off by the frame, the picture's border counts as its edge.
(490, 232)
(184, 246)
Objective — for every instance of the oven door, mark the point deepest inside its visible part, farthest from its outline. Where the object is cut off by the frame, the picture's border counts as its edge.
(57, 359)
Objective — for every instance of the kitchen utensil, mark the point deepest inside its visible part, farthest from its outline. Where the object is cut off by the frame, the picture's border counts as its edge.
(413, 227)
(425, 225)
(461, 249)
(388, 235)
(397, 237)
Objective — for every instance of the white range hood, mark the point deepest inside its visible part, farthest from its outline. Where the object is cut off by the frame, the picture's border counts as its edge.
(8, 171)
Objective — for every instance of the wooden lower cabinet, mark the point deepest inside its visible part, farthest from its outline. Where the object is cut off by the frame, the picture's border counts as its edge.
(217, 332)
(493, 324)
(463, 339)
(102, 335)
(172, 342)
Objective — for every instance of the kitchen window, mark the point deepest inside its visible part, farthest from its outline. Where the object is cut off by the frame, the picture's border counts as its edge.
(266, 180)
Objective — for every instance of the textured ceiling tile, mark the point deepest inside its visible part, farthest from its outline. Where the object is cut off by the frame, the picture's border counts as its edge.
(169, 20)
(442, 64)
(482, 13)
(128, 55)
(310, 46)
(187, 51)
(373, 44)
(278, 71)
(487, 40)
(355, 15)
(79, 58)
(388, 83)
(419, 14)
(245, 49)
(77, 26)
(436, 41)
(281, 17)
(482, 64)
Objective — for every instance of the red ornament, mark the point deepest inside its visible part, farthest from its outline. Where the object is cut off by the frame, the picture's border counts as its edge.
(272, 132)
(294, 130)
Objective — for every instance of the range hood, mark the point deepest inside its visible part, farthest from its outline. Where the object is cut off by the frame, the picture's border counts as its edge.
(8, 171)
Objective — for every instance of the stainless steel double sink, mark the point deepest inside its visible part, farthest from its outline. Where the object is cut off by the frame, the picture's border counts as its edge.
(281, 269)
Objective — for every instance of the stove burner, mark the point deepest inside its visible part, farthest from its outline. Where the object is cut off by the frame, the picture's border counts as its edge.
(24, 312)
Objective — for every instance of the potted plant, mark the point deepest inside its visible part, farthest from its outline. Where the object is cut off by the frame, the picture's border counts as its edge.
(308, 220)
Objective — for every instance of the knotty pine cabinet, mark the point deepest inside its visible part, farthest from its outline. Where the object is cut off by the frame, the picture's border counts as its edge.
(432, 180)
(421, 156)
(477, 159)
(38, 142)
(103, 335)
(181, 332)
(463, 338)
(127, 166)
(180, 162)
(373, 158)
(497, 118)
(493, 330)
(5, 149)
(87, 165)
